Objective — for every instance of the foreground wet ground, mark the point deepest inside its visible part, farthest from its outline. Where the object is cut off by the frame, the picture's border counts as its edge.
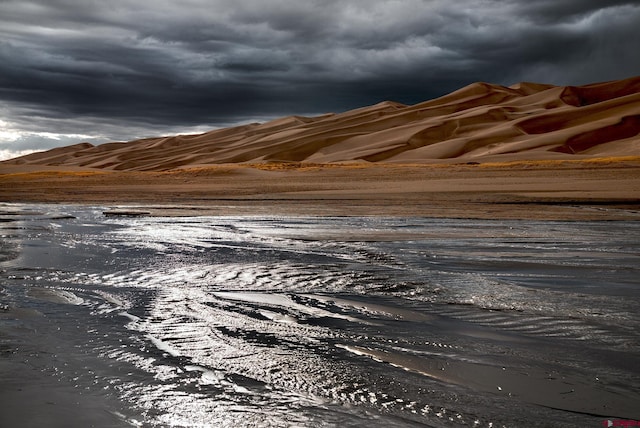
(315, 321)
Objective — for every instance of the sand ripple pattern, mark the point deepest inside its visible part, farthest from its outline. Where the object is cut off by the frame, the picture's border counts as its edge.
(247, 321)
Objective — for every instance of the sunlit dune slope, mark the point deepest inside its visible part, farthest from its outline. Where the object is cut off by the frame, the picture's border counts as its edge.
(478, 123)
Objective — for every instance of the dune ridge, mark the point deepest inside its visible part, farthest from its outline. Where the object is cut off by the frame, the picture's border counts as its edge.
(481, 122)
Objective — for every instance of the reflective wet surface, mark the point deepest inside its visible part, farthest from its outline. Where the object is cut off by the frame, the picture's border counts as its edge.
(254, 321)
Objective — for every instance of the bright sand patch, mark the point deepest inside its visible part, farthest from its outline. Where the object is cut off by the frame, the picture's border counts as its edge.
(479, 123)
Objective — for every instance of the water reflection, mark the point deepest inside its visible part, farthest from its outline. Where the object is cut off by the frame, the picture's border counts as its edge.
(241, 321)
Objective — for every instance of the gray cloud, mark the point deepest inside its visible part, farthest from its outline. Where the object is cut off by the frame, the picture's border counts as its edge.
(124, 69)
(546, 12)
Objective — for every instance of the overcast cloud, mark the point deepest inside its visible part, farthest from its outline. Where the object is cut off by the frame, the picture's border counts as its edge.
(84, 70)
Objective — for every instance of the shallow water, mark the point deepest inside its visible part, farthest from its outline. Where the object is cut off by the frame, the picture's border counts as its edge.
(285, 321)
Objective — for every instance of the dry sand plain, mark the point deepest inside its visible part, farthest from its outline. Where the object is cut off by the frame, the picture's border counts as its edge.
(569, 190)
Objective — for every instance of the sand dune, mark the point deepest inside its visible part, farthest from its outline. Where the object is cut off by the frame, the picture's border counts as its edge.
(478, 123)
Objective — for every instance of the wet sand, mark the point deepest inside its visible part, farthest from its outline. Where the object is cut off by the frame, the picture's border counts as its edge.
(32, 393)
(552, 190)
(304, 321)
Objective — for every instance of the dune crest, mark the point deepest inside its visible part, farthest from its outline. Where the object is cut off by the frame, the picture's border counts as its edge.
(481, 122)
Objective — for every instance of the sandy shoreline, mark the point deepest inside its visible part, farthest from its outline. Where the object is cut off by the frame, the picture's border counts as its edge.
(554, 190)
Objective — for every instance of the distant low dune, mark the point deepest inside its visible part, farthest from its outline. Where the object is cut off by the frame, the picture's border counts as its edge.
(478, 123)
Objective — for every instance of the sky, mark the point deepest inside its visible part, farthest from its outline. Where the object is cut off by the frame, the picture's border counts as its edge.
(98, 71)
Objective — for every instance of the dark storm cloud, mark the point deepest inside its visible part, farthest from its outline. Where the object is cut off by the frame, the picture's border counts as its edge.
(122, 69)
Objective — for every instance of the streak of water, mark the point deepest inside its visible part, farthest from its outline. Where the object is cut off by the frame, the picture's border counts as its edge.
(247, 321)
